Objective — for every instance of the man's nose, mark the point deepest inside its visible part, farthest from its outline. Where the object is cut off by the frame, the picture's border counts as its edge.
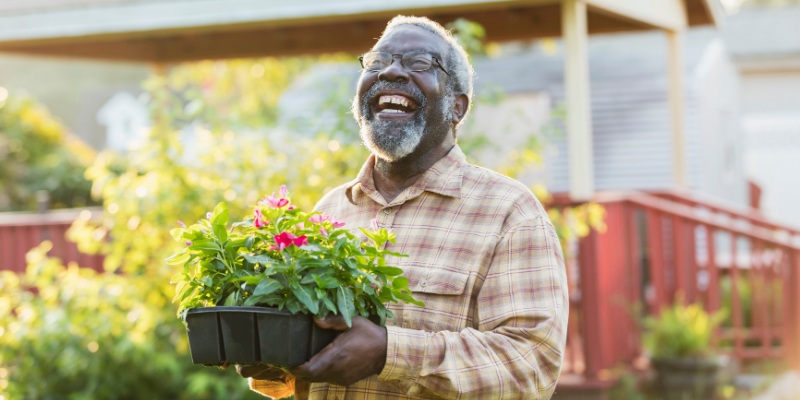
(395, 72)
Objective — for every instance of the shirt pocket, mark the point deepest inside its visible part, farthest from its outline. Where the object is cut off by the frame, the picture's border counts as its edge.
(444, 292)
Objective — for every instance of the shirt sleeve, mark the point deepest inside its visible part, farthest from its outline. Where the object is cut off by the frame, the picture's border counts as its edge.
(516, 352)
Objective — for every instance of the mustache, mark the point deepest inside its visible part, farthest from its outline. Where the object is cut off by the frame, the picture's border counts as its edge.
(413, 92)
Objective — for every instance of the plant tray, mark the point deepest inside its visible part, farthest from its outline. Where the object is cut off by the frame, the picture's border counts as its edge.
(252, 335)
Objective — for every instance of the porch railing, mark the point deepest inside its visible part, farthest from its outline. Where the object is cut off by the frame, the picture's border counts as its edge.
(658, 245)
(20, 232)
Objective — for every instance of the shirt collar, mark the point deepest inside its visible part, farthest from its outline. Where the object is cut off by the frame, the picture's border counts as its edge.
(443, 177)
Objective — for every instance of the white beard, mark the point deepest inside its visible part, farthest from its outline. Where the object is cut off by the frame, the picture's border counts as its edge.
(393, 140)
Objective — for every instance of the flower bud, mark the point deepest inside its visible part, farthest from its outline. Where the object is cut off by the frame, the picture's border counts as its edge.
(182, 225)
(189, 243)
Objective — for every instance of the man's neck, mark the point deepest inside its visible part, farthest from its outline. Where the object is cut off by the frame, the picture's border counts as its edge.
(392, 178)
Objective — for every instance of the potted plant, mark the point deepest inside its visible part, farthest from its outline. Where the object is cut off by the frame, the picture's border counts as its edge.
(247, 293)
(679, 343)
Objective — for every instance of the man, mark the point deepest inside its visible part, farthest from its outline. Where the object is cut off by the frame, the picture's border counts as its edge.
(484, 256)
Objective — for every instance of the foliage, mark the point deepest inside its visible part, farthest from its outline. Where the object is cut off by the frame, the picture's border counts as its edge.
(37, 155)
(680, 331)
(93, 336)
(283, 257)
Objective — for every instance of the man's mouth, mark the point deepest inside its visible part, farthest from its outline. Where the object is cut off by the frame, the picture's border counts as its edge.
(394, 106)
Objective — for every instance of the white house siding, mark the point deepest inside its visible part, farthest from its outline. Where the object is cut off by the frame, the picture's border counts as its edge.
(630, 112)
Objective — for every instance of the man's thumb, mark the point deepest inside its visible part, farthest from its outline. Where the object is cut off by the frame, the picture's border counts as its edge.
(332, 321)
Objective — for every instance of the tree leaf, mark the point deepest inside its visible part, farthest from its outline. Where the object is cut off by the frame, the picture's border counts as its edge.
(267, 286)
(262, 259)
(407, 298)
(220, 215)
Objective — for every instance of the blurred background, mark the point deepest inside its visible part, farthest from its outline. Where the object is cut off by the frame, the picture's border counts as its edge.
(663, 137)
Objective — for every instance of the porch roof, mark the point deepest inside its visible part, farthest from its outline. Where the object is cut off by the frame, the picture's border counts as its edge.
(183, 30)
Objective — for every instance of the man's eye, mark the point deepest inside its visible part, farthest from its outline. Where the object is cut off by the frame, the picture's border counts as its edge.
(418, 63)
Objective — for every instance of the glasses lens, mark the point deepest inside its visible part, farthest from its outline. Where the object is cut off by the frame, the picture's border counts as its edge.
(377, 61)
(417, 61)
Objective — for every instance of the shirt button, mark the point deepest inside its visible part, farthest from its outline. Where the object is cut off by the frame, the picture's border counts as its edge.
(387, 211)
(423, 283)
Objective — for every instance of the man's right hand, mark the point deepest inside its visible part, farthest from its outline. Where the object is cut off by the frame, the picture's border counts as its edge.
(261, 372)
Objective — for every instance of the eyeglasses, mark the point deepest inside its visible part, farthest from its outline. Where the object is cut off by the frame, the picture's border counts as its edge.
(414, 61)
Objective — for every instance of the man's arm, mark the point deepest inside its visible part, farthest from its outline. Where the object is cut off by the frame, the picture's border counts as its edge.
(517, 351)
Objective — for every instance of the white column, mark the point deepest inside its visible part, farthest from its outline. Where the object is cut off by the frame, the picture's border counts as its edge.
(579, 113)
(675, 42)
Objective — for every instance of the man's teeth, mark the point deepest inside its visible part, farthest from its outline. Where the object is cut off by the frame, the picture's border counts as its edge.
(394, 100)
(389, 110)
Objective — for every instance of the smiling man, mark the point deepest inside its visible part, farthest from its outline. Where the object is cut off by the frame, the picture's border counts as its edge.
(484, 256)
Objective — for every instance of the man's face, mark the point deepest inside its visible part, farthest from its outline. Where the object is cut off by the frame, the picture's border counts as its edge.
(397, 110)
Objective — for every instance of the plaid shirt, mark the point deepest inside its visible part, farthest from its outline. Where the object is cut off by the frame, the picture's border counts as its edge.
(485, 259)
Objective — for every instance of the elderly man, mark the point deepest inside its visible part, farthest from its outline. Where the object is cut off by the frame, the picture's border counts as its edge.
(484, 256)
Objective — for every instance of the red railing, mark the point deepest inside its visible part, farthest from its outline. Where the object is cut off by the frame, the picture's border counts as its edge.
(20, 232)
(658, 245)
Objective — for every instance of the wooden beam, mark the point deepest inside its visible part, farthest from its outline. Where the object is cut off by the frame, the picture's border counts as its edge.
(662, 14)
(675, 45)
(579, 114)
(353, 37)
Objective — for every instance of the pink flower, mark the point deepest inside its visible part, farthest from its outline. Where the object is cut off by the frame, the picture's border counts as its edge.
(182, 225)
(375, 225)
(320, 218)
(273, 201)
(189, 243)
(283, 191)
(273, 247)
(323, 231)
(291, 208)
(287, 239)
(208, 215)
(260, 221)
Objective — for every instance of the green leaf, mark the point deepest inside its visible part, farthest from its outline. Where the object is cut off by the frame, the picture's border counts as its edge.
(220, 215)
(179, 258)
(407, 298)
(219, 232)
(231, 300)
(329, 304)
(344, 299)
(181, 277)
(267, 286)
(400, 282)
(307, 297)
(206, 280)
(391, 271)
(249, 242)
(177, 233)
(205, 245)
(250, 280)
(262, 259)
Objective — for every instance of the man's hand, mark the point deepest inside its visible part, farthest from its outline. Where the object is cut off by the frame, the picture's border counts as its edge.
(358, 353)
(261, 372)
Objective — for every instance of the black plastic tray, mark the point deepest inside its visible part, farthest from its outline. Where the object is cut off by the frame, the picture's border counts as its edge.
(252, 335)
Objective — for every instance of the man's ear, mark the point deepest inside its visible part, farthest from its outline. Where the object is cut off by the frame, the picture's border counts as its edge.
(460, 108)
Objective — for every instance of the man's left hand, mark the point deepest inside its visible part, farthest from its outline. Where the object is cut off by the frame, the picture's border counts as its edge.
(359, 352)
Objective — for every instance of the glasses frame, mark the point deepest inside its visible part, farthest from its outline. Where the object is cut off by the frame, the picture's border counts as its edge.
(434, 57)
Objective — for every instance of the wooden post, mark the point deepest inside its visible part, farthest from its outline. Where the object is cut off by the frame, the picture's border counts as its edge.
(675, 40)
(791, 319)
(576, 87)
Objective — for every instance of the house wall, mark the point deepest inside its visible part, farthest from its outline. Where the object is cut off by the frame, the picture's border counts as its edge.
(771, 125)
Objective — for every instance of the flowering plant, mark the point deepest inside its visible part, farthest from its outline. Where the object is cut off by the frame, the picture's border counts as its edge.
(283, 257)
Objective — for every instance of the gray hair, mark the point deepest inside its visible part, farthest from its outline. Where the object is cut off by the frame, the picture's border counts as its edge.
(457, 60)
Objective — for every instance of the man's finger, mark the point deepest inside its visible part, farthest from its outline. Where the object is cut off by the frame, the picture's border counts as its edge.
(316, 367)
(332, 321)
